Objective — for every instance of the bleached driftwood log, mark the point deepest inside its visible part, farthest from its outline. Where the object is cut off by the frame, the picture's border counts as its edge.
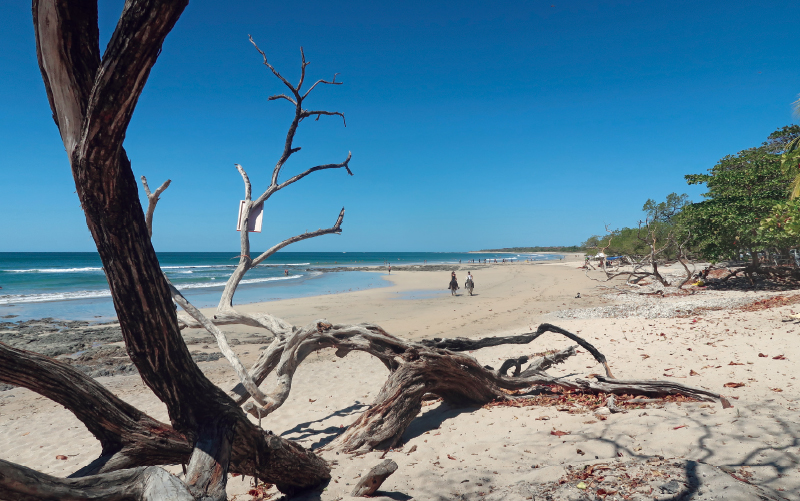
(374, 478)
(420, 369)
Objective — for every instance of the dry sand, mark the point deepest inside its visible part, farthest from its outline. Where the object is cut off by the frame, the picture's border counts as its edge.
(506, 452)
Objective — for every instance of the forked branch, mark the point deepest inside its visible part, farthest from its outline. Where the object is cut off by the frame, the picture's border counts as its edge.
(152, 201)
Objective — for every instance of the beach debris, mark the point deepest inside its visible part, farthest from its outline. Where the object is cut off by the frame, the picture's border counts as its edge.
(733, 385)
(372, 481)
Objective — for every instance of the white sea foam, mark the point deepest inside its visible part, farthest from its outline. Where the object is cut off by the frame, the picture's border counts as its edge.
(203, 285)
(284, 264)
(198, 266)
(66, 296)
(53, 296)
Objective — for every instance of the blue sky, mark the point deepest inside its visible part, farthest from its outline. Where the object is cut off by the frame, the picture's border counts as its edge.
(472, 124)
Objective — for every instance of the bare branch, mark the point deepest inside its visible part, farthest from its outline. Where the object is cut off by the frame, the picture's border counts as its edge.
(152, 201)
(247, 186)
(274, 71)
(302, 69)
(222, 341)
(298, 177)
(332, 82)
(336, 228)
(282, 96)
(306, 114)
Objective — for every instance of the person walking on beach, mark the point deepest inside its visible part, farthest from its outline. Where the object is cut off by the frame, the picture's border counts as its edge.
(390, 269)
(453, 284)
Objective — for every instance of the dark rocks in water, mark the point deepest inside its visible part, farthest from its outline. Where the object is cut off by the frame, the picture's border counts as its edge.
(88, 347)
(9, 316)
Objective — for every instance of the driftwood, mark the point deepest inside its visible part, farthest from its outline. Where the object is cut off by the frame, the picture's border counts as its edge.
(373, 480)
(432, 367)
(646, 234)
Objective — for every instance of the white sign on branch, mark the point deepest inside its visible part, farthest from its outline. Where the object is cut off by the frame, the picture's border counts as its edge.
(256, 217)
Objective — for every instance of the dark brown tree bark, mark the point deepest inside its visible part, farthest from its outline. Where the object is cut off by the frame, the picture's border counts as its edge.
(93, 100)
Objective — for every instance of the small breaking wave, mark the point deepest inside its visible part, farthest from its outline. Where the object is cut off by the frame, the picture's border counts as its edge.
(56, 270)
(54, 296)
(67, 296)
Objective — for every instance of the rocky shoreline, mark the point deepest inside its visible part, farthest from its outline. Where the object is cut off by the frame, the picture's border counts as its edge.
(95, 349)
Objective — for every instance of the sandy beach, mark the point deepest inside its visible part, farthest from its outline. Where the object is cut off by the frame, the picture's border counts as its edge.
(706, 339)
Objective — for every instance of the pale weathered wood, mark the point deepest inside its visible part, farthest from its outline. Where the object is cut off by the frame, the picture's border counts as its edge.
(465, 344)
(18, 483)
(373, 480)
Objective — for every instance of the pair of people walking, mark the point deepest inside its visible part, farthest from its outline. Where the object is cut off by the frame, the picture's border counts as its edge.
(469, 284)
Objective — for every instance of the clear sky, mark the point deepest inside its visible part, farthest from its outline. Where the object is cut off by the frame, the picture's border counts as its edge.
(472, 124)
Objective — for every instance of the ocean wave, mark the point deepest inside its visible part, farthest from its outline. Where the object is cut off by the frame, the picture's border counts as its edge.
(259, 280)
(55, 270)
(221, 283)
(53, 296)
(198, 266)
(284, 264)
(97, 268)
(66, 296)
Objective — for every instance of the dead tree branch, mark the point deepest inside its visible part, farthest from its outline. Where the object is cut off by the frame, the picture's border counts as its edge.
(145, 483)
(152, 201)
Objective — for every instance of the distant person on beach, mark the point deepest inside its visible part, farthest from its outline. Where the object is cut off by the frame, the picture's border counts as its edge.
(286, 273)
(390, 269)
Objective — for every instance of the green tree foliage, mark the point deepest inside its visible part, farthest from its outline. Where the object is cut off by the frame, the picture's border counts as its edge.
(666, 211)
(742, 191)
(782, 225)
(661, 224)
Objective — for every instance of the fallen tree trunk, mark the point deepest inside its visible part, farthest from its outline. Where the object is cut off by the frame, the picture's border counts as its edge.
(420, 369)
(139, 484)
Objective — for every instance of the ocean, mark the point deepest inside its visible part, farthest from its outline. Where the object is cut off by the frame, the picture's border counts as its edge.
(72, 285)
